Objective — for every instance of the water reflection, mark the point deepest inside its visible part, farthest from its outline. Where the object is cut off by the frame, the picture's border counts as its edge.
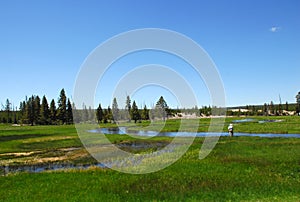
(124, 130)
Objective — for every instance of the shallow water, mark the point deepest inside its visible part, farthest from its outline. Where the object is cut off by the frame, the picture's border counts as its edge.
(124, 130)
(244, 120)
(4, 170)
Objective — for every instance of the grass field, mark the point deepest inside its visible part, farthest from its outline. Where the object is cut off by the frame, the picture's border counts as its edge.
(238, 169)
(287, 124)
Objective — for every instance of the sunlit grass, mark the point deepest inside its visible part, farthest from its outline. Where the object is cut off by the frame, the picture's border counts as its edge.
(238, 168)
(287, 124)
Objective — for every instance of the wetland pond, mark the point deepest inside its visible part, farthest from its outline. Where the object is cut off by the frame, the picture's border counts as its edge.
(124, 130)
(4, 170)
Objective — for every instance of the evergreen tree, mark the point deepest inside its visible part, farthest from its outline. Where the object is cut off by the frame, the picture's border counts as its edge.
(298, 109)
(265, 109)
(145, 113)
(22, 111)
(272, 109)
(115, 111)
(105, 116)
(135, 115)
(99, 114)
(109, 114)
(30, 109)
(298, 103)
(298, 98)
(162, 108)
(69, 113)
(62, 107)
(128, 108)
(152, 113)
(280, 109)
(52, 112)
(45, 112)
(37, 109)
(205, 111)
(77, 118)
(209, 110)
(8, 111)
(15, 115)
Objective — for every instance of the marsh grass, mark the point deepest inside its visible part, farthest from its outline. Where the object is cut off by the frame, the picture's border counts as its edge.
(287, 124)
(238, 169)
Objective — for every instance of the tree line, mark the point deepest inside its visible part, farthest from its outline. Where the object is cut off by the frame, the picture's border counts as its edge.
(36, 111)
(132, 112)
(267, 109)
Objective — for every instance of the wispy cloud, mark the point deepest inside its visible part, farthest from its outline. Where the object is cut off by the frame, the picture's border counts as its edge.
(274, 29)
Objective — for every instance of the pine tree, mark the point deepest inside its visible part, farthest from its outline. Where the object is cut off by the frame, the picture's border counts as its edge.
(115, 111)
(128, 108)
(77, 116)
(22, 111)
(99, 114)
(135, 115)
(52, 112)
(62, 107)
(272, 109)
(280, 109)
(15, 115)
(45, 112)
(37, 109)
(298, 98)
(254, 111)
(162, 108)
(30, 109)
(265, 109)
(209, 110)
(109, 114)
(105, 115)
(145, 113)
(298, 103)
(69, 112)
(8, 111)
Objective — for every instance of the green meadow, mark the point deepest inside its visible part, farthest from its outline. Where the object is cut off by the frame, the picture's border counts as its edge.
(285, 124)
(238, 169)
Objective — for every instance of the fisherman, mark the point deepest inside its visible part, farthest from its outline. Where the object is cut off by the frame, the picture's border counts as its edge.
(230, 130)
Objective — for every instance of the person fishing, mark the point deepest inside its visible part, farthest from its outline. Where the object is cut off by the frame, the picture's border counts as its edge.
(230, 130)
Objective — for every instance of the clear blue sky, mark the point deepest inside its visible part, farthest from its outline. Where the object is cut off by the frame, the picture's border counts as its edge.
(254, 44)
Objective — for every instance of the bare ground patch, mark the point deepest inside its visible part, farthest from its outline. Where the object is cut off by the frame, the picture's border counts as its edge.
(44, 156)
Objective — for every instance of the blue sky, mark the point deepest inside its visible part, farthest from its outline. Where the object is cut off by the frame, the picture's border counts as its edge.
(254, 44)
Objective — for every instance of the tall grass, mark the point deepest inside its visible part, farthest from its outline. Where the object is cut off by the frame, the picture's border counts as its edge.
(238, 169)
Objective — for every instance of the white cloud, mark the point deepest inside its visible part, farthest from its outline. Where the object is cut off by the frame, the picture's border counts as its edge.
(274, 29)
